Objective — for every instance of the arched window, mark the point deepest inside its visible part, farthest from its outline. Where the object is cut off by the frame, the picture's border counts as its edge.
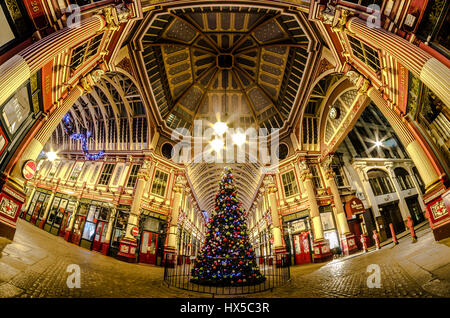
(403, 178)
(380, 182)
(419, 179)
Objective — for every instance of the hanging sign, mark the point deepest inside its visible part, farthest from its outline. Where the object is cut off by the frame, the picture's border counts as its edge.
(354, 207)
(29, 169)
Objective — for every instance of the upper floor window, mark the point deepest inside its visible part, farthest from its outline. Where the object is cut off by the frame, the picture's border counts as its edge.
(106, 174)
(159, 183)
(289, 183)
(365, 53)
(76, 171)
(84, 51)
(132, 179)
(53, 168)
(316, 177)
(338, 176)
(380, 182)
(18, 109)
(403, 178)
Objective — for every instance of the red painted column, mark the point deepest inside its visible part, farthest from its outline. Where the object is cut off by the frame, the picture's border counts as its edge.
(394, 238)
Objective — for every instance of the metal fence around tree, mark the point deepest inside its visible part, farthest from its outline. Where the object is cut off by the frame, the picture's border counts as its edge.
(178, 269)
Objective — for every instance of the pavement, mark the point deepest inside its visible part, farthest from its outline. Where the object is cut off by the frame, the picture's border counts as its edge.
(36, 264)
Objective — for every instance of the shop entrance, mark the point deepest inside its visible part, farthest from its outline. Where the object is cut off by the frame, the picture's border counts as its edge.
(100, 235)
(391, 214)
(415, 210)
(149, 242)
(77, 229)
(302, 249)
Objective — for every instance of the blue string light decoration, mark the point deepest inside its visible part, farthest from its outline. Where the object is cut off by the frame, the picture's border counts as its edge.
(69, 129)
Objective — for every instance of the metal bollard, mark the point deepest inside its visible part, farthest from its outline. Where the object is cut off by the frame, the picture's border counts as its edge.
(410, 224)
(377, 240)
(363, 241)
(394, 238)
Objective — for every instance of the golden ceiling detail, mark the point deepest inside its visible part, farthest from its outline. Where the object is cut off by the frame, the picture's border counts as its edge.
(244, 64)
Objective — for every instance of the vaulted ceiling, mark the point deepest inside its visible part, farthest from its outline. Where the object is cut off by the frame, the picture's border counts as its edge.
(239, 64)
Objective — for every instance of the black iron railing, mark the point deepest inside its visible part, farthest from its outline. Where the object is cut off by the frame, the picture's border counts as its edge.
(178, 268)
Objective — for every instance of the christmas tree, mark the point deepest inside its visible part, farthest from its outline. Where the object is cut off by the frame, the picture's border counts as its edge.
(227, 257)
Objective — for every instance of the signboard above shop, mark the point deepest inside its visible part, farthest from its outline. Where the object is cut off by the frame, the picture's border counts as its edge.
(354, 207)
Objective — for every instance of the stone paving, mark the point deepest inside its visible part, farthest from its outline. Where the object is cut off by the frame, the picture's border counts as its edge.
(35, 265)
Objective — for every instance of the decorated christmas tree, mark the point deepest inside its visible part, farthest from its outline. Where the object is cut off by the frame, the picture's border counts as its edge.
(227, 257)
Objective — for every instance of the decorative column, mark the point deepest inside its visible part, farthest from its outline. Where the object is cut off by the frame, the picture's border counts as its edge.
(19, 68)
(29, 198)
(47, 209)
(435, 189)
(36, 145)
(321, 247)
(270, 190)
(72, 220)
(348, 240)
(128, 245)
(433, 73)
(105, 244)
(411, 144)
(178, 189)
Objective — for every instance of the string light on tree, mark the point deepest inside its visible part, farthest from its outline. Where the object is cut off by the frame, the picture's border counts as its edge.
(227, 257)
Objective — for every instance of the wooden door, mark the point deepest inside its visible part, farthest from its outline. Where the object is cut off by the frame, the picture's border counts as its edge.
(302, 249)
(78, 229)
(149, 242)
(99, 237)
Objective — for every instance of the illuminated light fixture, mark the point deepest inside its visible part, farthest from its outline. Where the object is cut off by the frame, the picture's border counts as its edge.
(51, 155)
(217, 144)
(220, 128)
(239, 138)
(378, 143)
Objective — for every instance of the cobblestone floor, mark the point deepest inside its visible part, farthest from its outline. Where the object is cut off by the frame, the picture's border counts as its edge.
(35, 265)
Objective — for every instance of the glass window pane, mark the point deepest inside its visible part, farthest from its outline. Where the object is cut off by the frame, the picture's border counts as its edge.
(16, 110)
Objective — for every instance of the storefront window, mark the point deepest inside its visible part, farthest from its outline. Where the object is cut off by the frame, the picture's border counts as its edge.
(119, 228)
(329, 228)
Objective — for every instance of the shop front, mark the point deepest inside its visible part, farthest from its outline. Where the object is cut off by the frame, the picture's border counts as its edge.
(152, 237)
(37, 206)
(414, 209)
(61, 210)
(298, 237)
(390, 213)
(119, 229)
(330, 232)
(91, 225)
